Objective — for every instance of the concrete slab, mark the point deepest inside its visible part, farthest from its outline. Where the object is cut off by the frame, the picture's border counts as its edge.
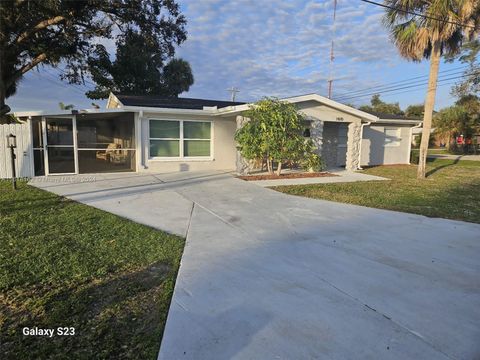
(266, 275)
(342, 176)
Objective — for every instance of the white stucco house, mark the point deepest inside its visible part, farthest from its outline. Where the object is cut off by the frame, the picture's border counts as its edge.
(153, 134)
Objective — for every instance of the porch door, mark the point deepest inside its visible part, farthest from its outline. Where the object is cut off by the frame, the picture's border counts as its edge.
(60, 149)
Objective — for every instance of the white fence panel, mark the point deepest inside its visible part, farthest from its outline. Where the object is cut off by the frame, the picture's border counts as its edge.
(24, 152)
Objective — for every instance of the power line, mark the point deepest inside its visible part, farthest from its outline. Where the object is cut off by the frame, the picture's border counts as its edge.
(417, 14)
(347, 98)
(409, 91)
(56, 82)
(405, 85)
(400, 82)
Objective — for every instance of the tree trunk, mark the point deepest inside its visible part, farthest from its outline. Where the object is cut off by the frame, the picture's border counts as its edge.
(279, 168)
(269, 166)
(429, 104)
(4, 108)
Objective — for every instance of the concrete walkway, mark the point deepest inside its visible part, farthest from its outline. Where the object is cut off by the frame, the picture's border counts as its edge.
(454, 157)
(266, 275)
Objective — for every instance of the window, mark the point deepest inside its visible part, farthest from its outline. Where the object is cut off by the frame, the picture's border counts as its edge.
(392, 136)
(180, 139)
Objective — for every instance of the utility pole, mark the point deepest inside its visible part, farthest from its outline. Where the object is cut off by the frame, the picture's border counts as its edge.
(332, 55)
(233, 91)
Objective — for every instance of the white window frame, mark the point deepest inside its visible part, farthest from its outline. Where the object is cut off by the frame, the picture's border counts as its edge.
(181, 142)
(395, 143)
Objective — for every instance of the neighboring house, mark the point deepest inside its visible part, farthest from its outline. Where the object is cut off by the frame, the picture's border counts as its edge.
(141, 134)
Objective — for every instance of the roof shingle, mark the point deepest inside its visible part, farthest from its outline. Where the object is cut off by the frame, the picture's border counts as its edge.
(173, 103)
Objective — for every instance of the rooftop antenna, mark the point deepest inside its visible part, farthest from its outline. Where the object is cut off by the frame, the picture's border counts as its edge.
(233, 91)
(332, 55)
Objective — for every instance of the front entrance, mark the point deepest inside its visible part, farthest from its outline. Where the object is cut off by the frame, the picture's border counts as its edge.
(334, 144)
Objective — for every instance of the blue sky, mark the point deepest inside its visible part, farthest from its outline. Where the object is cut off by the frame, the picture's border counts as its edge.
(269, 48)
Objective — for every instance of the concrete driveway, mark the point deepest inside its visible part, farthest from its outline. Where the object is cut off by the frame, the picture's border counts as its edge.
(266, 275)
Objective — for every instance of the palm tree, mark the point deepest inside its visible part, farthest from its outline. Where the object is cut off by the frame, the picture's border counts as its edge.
(428, 29)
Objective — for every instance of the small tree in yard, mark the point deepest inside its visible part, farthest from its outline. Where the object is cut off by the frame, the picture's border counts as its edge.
(275, 132)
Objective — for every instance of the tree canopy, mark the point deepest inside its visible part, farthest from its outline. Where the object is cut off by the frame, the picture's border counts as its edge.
(142, 74)
(414, 111)
(51, 32)
(470, 83)
(274, 132)
(379, 106)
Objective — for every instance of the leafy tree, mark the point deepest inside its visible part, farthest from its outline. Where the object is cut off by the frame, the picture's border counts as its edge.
(142, 74)
(470, 83)
(63, 106)
(49, 32)
(414, 111)
(379, 106)
(463, 118)
(274, 132)
(438, 29)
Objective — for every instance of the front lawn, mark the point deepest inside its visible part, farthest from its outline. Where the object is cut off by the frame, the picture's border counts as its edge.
(452, 190)
(64, 264)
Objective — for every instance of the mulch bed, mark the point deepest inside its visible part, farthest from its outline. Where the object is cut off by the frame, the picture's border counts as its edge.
(285, 176)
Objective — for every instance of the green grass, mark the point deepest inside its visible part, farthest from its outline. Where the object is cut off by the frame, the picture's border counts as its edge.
(450, 191)
(67, 264)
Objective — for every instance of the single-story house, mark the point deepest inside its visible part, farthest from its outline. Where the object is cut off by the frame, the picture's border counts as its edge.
(148, 133)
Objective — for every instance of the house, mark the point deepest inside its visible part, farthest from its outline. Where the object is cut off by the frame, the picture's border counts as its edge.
(143, 133)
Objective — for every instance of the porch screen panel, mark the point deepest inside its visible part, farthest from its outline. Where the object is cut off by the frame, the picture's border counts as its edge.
(106, 143)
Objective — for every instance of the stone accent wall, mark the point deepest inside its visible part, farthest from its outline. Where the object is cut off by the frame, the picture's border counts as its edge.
(353, 146)
(316, 134)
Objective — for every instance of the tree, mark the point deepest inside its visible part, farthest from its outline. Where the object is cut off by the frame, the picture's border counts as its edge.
(142, 74)
(471, 76)
(414, 111)
(274, 132)
(379, 106)
(463, 118)
(63, 106)
(51, 32)
(440, 27)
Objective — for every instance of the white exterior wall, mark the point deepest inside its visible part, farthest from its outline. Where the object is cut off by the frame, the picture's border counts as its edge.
(325, 113)
(24, 151)
(374, 151)
(223, 151)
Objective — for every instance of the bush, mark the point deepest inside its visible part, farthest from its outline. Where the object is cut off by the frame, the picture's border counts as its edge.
(312, 162)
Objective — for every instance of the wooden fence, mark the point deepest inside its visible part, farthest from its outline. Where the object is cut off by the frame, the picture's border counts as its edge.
(24, 152)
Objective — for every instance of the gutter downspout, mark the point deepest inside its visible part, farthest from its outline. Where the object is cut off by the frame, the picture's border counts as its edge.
(359, 167)
(411, 139)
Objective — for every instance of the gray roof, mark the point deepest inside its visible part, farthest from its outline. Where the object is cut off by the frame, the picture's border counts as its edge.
(392, 116)
(173, 103)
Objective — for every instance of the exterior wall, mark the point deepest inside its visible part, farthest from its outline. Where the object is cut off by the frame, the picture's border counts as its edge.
(224, 147)
(313, 111)
(374, 151)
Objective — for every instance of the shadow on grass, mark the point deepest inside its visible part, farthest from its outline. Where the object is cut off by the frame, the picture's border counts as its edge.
(109, 317)
(440, 167)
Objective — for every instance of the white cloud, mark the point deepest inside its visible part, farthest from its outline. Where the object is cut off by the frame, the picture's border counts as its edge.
(279, 47)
